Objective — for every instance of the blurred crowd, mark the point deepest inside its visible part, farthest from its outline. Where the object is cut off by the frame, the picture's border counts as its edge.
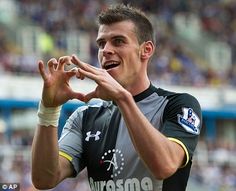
(214, 166)
(15, 166)
(174, 62)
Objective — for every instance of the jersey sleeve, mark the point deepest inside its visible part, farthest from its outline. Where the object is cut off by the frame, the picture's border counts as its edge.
(182, 121)
(70, 142)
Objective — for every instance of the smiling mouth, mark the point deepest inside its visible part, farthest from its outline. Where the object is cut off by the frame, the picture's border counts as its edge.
(110, 66)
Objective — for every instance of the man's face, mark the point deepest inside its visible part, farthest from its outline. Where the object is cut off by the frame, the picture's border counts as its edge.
(119, 52)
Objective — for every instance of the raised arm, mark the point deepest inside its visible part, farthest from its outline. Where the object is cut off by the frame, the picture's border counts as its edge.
(48, 168)
(161, 155)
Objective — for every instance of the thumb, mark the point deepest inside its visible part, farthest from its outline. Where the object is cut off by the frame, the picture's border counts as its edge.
(90, 96)
(77, 95)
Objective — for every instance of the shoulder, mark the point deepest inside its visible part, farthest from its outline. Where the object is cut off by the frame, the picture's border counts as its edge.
(176, 99)
(180, 104)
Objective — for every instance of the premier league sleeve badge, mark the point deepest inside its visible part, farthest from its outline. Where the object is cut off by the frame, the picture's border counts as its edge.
(189, 121)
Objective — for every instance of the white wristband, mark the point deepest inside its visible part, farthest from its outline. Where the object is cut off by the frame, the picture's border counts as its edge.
(48, 116)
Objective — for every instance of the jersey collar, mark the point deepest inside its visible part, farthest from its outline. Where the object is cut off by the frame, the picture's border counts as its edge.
(145, 93)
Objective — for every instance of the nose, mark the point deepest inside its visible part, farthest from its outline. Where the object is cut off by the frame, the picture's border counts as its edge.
(108, 49)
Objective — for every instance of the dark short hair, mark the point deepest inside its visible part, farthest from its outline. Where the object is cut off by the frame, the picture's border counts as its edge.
(121, 12)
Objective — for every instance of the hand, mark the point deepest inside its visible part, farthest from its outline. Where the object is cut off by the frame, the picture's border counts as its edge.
(56, 89)
(107, 87)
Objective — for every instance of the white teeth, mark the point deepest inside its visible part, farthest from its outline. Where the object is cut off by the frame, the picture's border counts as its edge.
(110, 63)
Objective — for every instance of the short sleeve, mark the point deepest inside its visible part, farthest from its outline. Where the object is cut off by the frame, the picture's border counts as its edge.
(70, 142)
(182, 121)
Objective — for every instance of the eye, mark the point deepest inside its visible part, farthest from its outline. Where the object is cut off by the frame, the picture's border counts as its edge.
(101, 44)
(118, 41)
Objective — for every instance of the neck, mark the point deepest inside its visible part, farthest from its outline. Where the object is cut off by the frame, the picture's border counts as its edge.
(139, 86)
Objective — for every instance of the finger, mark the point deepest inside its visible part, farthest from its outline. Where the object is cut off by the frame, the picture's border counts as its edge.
(83, 65)
(90, 96)
(72, 72)
(79, 75)
(62, 61)
(55, 66)
(88, 75)
(76, 95)
(51, 64)
(42, 70)
(78, 62)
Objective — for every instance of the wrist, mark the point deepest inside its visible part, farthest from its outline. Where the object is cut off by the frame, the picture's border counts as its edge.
(48, 116)
(124, 96)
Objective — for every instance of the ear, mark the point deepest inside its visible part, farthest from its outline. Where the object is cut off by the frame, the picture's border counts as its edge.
(147, 50)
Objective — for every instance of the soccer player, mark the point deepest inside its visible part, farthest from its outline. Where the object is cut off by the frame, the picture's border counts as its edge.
(138, 137)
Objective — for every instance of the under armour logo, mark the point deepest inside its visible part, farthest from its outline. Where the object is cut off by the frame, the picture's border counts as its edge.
(96, 136)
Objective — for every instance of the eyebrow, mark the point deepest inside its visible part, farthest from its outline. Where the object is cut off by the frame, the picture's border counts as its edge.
(114, 37)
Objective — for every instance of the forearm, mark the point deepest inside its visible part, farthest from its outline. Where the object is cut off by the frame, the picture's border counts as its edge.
(48, 168)
(157, 152)
(45, 157)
